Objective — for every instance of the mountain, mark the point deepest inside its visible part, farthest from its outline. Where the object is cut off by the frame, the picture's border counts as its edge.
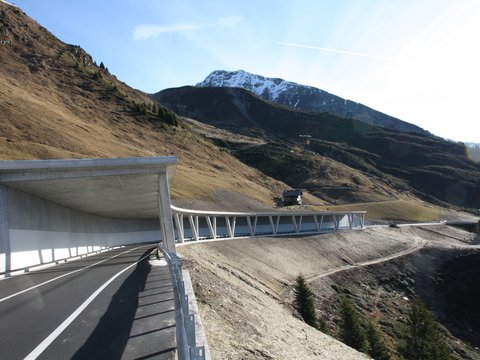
(301, 97)
(342, 159)
(56, 102)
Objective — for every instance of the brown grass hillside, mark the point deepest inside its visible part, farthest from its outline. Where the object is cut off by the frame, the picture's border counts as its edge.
(55, 102)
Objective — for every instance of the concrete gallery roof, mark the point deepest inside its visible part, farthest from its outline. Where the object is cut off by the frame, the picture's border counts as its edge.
(119, 187)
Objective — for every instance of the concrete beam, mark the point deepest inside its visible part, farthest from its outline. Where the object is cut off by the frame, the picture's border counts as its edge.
(118, 188)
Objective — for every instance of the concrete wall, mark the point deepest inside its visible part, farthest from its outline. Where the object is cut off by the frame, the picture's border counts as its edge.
(35, 231)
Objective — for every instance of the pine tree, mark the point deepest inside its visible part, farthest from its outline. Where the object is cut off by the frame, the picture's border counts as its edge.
(322, 325)
(102, 66)
(423, 340)
(304, 302)
(351, 330)
(376, 345)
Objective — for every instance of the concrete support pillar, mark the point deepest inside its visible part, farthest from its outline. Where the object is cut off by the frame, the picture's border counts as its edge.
(193, 228)
(165, 213)
(270, 219)
(295, 226)
(214, 223)
(234, 222)
(5, 252)
(210, 227)
(180, 228)
(197, 225)
(254, 229)
(249, 223)
(229, 227)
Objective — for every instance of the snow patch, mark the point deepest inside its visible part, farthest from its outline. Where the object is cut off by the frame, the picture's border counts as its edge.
(3, 1)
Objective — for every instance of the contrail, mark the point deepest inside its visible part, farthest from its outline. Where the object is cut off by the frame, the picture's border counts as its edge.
(335, 51)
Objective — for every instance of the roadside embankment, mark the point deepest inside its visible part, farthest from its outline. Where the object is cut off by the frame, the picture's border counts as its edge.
(244, 291)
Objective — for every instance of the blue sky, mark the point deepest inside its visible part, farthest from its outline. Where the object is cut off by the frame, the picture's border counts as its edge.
(417, 60)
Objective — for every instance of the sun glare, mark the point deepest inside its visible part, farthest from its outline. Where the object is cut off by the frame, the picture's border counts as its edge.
(473, 153)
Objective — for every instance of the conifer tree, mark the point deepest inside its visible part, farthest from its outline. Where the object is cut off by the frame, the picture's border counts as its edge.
(322, 325)
(423, 340)
(376, 345)
(304, 302)
(351, 330)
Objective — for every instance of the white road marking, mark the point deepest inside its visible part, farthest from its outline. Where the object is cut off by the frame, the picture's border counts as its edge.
(61, 276)
(50, 338)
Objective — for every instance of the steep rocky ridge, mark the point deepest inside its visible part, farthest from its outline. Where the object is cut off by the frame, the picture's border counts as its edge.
(392, 162)
(302, 97)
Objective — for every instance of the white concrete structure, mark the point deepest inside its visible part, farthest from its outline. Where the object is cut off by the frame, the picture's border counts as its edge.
(193, 225)
(56, 209)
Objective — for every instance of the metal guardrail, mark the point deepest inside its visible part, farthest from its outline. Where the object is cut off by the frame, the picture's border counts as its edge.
(185, 322)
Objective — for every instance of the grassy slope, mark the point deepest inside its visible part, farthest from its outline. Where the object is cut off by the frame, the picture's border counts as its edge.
(53, 104)
(401, 210)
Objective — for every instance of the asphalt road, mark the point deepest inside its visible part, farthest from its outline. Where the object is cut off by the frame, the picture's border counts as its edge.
(114, 305)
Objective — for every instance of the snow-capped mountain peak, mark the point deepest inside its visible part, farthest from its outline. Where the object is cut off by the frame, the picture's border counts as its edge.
(302, 97)
(269, 88)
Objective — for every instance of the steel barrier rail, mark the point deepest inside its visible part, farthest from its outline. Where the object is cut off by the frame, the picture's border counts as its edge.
(184, 321)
